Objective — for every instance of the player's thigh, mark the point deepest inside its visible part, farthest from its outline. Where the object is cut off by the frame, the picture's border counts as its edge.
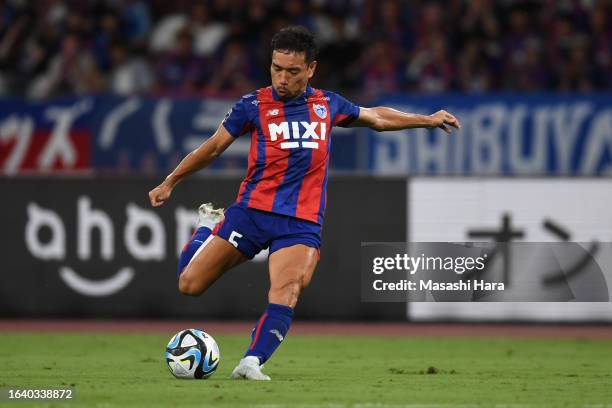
(208, 264)
(291, 270)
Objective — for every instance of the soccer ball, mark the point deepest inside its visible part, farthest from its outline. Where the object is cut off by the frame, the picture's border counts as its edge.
(192, 353)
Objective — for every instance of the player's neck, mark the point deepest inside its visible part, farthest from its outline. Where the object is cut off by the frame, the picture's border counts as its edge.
(288, 98)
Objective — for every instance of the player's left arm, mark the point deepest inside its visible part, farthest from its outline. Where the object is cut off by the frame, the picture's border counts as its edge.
(382, 118)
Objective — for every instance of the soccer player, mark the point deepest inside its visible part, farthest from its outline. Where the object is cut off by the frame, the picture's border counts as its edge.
(281, 201)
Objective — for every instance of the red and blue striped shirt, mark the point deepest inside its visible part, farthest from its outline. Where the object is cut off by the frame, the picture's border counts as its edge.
(290, 145)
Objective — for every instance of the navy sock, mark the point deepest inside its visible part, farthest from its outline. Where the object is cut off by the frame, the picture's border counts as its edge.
(270, 331)
(195, 242)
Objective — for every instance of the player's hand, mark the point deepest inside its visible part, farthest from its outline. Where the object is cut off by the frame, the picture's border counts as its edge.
(442, 118)
(160, 194)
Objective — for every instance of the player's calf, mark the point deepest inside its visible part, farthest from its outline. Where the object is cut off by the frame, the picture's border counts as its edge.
(291, 270)
(286, 292)
(204, 258)
(208, 218)
(200, 237)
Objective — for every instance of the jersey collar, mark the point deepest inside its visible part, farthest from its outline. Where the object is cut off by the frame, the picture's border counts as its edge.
(309, 91)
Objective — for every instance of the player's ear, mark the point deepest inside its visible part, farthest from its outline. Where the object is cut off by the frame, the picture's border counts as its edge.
(311, 69)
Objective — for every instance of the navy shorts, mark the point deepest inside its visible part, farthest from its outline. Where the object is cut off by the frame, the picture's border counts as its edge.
(252, 230)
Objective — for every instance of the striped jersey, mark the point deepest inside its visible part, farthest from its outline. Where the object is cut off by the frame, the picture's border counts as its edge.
(290, 145)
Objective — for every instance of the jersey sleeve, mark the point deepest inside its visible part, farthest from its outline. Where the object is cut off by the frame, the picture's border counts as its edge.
(346, 111)
(237, 121)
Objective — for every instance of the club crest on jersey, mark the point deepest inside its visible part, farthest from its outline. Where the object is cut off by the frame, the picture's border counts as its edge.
(320, 110)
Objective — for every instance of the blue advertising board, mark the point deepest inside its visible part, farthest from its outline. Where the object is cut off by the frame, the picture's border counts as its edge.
(501, 134)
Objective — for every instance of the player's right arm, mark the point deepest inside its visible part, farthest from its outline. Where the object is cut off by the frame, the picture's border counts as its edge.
(201, 157)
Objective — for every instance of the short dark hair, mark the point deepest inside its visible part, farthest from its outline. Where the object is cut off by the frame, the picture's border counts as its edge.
(295, 39)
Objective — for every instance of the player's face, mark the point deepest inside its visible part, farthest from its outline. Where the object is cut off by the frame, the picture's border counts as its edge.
(290, 73)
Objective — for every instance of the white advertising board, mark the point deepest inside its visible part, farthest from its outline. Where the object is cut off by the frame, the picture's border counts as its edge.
(524, 210)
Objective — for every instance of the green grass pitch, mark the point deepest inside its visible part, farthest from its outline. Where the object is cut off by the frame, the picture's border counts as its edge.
(119, 370)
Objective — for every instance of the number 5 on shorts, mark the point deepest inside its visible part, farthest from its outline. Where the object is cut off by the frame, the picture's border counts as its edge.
(232, 238)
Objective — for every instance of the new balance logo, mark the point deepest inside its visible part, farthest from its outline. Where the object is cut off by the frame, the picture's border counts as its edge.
(277, 334)
(302, 134)
(272, 112)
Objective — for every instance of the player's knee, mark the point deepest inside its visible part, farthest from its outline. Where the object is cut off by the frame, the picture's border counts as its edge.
(188, 286)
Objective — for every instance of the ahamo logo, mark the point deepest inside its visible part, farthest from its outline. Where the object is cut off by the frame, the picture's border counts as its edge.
(90, 221)
(119, 251)
(303, 134)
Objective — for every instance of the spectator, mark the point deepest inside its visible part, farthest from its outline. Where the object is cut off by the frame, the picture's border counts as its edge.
(136, 18)
(180, 71)
(600, 31)
(368, 47)
(342, 49)
(431, 69)
(234, 75)
(71, 71)
(526, 71)
(108, 32)
(578, 73)
(208, 34)
(129, 74)
(381, 70)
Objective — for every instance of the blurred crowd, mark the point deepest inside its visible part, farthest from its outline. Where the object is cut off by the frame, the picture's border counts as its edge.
(221, 48)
